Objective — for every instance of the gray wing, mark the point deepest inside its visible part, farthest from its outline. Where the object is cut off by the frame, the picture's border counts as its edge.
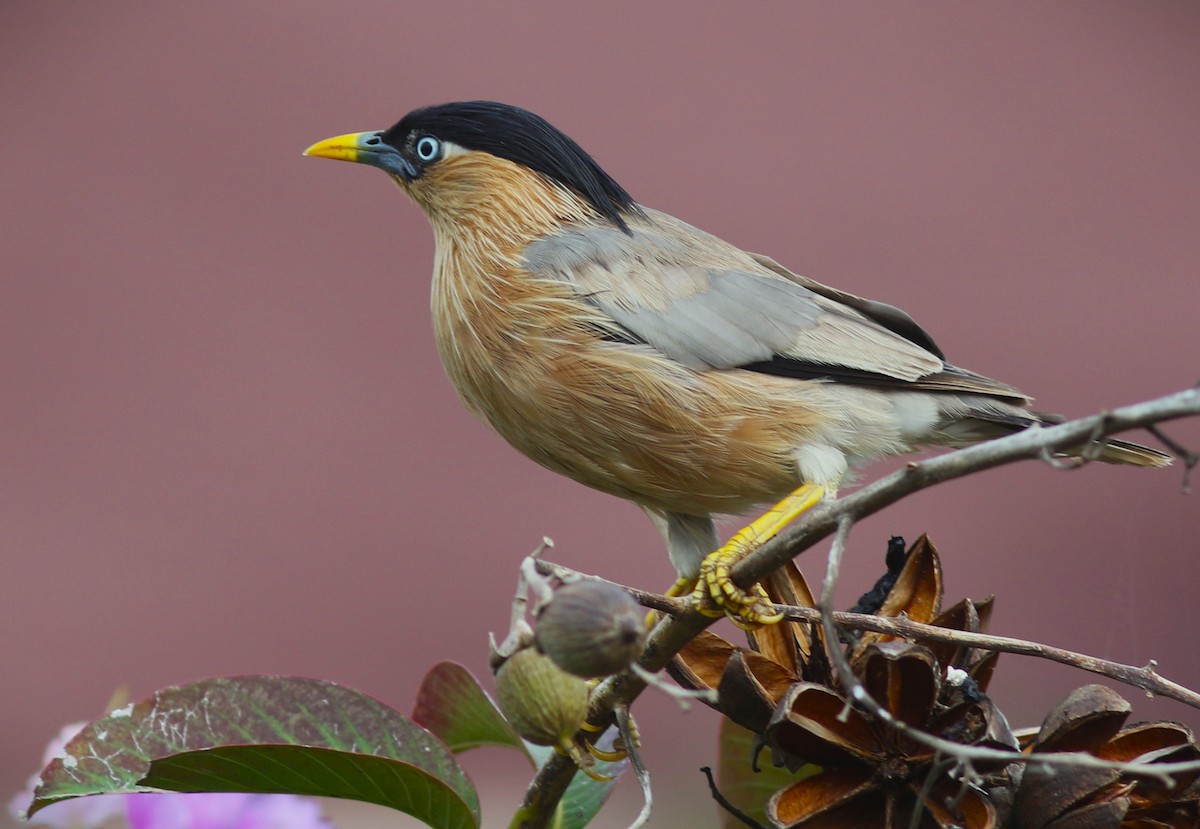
(709, 305)
(889, 316)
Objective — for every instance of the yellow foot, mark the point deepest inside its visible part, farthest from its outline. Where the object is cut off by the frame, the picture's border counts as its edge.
(715, 593)
(681, 587)
(617, 754)
(583, 761)
(619, 750)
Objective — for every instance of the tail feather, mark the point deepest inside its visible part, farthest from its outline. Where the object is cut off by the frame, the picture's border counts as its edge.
(1114, 450)
(970, 419)
(1130, 454)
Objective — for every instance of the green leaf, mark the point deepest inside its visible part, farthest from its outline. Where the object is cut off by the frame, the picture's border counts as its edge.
(319, 772)
(744, 787)
(266, 734)
(452, 705)
(585, 795)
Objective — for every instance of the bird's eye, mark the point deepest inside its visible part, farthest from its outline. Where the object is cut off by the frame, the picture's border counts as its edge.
(428, 148)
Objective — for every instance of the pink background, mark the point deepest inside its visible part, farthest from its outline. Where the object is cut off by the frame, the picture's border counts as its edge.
(226, 444)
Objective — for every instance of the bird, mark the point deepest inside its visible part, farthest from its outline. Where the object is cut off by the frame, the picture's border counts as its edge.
(643, 357)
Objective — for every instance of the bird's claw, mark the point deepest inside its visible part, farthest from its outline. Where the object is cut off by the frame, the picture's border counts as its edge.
(619, 750)
(617, 754)
(716, 594)
(584, 760)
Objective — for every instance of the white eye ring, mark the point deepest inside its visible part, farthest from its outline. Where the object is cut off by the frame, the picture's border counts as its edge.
(428, 148)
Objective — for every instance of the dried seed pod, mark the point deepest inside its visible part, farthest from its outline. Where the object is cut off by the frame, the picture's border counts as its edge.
(591, 629)
(545, 705)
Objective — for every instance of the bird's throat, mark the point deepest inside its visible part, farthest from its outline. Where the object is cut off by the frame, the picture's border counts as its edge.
(487, 204)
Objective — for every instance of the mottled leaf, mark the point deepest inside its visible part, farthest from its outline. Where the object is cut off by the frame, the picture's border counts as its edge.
(451, 704)
(265, 734)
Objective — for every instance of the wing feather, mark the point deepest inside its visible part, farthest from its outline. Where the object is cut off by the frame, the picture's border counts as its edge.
(708, 305)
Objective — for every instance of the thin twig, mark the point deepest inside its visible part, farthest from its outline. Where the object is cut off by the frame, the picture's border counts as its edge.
(682, 696)
(822, 520)
(1145, 677)
(654, 601)
(936, 767)
(724, 803)
(1190, 459)
(630, 738)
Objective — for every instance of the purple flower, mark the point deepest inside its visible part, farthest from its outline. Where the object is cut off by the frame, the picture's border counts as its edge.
(168, 810)
(223, 811)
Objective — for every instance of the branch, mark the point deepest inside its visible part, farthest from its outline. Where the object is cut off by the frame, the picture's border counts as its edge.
(1145, 677)
(1030, 444)
(724, 803)
(1190, 459)
(672, 633)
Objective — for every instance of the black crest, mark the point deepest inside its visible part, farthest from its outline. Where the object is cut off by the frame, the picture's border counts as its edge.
(523, 138)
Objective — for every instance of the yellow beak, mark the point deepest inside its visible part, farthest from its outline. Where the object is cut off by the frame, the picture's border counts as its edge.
(340, 147)
(366, 148)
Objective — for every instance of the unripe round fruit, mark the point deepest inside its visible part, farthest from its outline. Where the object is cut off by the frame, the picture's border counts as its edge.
(591, 629)
(545, 704)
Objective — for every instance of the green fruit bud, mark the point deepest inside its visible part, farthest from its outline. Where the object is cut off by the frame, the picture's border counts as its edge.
(543, 703)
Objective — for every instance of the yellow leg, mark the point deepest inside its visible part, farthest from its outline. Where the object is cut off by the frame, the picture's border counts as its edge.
(716, 593)
(681, 587)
